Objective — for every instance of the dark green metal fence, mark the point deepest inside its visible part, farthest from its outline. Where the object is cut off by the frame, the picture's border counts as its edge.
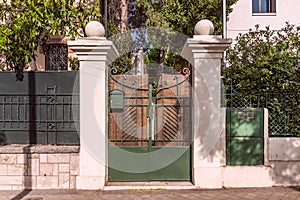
(284, 109)
(41, 109)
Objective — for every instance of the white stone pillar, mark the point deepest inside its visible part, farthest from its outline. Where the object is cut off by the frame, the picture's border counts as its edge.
(204, 51)
(95, 53)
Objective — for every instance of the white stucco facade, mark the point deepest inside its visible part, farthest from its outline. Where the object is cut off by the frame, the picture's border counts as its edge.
(241, 19)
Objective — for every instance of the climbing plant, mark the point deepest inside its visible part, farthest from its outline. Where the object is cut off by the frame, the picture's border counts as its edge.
(25, 25)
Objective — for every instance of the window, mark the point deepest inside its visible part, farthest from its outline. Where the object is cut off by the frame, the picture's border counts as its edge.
(263, 6)
(57, 57)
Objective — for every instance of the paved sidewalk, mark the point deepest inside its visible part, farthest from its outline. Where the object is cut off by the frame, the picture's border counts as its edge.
(274, 193)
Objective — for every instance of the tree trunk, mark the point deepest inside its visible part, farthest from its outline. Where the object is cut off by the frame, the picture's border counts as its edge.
(124, 16)
(161, 60)
(118, 13)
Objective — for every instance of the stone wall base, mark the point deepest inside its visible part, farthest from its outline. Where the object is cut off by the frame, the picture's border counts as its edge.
(248, 176)
(279, 173)
(38, 167)
(57, 167)
(233, 176)
(90, 182)
(208, 177)
(286, 173)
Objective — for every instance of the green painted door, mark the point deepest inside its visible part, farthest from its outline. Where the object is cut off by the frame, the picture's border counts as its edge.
(245, 136)
(149, 129)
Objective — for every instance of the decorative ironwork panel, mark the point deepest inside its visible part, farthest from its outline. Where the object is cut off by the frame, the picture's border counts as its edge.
(57, 57)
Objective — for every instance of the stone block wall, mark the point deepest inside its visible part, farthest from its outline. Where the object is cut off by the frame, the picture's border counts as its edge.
(38, 167)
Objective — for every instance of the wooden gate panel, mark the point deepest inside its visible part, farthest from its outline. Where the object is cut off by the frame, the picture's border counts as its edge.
(173, 111)
(130, 125)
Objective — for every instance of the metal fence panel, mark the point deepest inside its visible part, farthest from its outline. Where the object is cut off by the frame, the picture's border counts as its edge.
(284, 109)
(42, 109)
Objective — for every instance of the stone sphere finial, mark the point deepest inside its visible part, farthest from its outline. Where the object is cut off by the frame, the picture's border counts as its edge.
(94, 29)
(204, 27)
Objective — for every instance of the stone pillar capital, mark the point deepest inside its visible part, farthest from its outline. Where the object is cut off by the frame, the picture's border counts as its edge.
(94, 49)
(205, 46)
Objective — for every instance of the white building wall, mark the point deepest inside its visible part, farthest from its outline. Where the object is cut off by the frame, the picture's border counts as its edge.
(241, 18)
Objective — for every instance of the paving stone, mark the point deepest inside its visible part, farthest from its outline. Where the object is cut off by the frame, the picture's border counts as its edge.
(43, 158)
(45, 182)
(33, 167)
(64, 181)
(63, 168)
(17, 187)
(5, 187)
(46, 169)
(55, 169)
(230, 194)
(74, 164)
(3, 169)
(21, 158)
(33, 156)
(16, 170)
(10, 180)
(72, 182)
(8, 158)
(58, 158)
(29, 182)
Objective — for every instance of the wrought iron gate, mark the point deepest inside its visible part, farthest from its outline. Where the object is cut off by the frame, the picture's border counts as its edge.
(150, 128)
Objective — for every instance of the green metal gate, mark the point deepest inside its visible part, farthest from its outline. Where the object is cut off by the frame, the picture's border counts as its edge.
(150, 128)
